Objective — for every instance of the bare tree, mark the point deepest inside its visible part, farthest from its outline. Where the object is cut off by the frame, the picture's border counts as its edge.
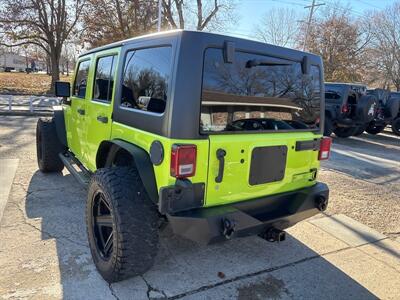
(45, 23)
(342, 43)
(385, 50)
(199, 14)
(107, 21)
(279, 27)
(69, 55)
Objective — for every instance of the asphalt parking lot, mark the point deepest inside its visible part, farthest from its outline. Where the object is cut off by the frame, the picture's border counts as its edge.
(351, 251)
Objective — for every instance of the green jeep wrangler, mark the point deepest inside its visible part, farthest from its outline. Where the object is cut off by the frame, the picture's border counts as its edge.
(218, 136)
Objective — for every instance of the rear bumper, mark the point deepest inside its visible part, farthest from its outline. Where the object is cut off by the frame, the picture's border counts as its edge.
(251, 217)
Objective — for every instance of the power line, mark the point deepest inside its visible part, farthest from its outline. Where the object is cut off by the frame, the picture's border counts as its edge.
(344, 9)
(369, 4)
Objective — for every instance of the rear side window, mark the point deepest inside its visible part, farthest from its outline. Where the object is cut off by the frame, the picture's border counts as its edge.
(104, 78)
(145, 79)
(258, 92)
(81, 79)
(332, 95)
(333, 92)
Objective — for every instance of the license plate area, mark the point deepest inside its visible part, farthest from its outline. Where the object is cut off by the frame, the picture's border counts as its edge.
(268, 164)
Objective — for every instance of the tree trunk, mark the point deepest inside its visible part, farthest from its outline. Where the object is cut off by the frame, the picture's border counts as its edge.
(55, 70)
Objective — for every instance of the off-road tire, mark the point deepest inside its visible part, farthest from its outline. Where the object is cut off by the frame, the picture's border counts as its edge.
(48, 146)
(396, 126)
(371, 129)
(328, 126)
(344, 132)
(134, 223)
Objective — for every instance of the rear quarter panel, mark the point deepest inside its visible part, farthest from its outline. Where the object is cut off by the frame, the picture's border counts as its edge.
(144, 140)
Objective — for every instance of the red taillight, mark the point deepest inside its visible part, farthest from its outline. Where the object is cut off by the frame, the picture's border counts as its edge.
(345, 108)
(324, 148)
(183, 160)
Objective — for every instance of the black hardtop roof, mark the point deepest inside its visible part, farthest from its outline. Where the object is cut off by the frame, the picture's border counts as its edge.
(201, 35)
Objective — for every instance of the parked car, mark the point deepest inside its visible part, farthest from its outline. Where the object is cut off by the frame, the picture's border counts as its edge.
(387, 110)
(347, 109)
(396, 121)
(153, 124)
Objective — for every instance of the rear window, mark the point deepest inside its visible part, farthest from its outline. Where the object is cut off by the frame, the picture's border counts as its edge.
(258, 92)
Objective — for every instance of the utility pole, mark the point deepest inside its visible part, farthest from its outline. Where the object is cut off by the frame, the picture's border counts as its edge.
(312, 6)
(159, 15)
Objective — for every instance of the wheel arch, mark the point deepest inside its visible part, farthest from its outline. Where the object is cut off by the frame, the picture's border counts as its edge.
(108, 151)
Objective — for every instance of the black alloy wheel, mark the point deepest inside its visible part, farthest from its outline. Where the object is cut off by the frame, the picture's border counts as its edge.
(102, 224)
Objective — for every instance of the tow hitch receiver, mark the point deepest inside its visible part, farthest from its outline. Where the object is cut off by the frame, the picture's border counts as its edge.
(228, 227)
(321, 203)
(273, 235)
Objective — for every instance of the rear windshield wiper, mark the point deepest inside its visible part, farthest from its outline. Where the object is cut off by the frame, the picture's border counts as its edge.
(256, 62)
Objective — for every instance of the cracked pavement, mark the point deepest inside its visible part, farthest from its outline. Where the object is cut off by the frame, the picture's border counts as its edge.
(44, 252)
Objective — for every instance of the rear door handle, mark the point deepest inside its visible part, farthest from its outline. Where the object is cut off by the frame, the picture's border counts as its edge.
(221, 157)
(81, 111)
(102, 119)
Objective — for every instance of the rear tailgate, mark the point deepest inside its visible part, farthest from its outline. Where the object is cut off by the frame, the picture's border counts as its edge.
(256, 165)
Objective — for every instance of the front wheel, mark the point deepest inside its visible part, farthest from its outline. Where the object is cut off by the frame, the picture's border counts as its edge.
(122, 224)
(371, 129)
(344, 132)
(396, 126)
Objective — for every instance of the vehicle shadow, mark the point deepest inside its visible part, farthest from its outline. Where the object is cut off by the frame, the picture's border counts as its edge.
(182, 268)
(365, 159)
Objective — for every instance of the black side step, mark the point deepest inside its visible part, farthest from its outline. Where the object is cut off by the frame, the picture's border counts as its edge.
(69, 160)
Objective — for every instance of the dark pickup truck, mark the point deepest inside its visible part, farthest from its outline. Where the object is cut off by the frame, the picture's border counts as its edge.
(348, 108)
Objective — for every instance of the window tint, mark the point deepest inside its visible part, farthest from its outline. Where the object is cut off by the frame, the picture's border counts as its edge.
(104, 79)
(332, 95)
(145, 80)
(334, 92)
(81, 79)
(258, 92)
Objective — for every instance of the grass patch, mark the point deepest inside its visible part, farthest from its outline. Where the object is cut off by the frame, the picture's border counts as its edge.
(26, 84)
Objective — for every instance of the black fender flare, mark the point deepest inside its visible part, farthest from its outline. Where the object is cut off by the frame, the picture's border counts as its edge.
(107, 152)
(59, 120)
